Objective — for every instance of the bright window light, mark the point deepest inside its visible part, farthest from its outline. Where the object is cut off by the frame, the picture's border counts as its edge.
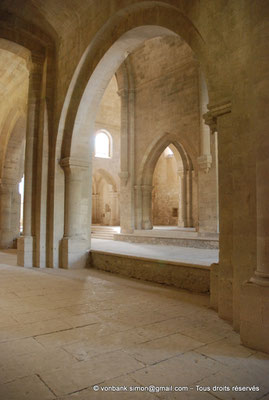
(102, 145)
(21, 191)
(168, 152)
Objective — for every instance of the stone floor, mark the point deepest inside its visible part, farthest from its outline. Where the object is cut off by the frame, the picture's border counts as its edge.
(161, 252)
(65, 331)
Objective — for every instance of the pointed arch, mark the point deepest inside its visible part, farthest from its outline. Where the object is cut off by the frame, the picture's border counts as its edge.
(107, 177)
(153, 153)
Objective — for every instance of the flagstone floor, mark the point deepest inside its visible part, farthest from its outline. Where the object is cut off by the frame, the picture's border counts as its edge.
(83, 334)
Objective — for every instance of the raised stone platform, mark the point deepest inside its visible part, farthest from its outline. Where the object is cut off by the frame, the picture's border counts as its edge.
(193, 277)
(171, 236)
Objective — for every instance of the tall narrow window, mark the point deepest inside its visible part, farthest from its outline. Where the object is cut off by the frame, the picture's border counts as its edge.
(103, 145)
(21, 191)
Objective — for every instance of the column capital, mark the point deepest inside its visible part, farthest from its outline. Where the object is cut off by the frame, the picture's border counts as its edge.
(137, 188)
(205, 162)
(70, 162)
(215, 111)
(125, 92)
(147, 188)
(124, 175)
(113, 194)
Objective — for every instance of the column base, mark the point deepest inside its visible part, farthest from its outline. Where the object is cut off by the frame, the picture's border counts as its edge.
(126, 230)
(25, 253)
(254, 316)
(147, 226)
(74, 253)
(214, 283)
(260, 279)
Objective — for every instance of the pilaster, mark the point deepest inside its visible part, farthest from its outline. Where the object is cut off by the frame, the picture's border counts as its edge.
(219, 120)
(74, 246)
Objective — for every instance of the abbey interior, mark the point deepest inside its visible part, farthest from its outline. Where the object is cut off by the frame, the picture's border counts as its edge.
(134, 187)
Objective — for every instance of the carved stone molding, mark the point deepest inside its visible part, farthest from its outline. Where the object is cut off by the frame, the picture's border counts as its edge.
(205, 162)
(70, 162)
(215, 111)
(124, 175)
(147, 188)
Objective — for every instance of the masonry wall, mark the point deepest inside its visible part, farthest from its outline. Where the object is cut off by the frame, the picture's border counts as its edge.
(167, 102)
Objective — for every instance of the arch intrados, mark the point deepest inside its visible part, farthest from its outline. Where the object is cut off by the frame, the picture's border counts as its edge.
(24, 33)
(176, 153)
(10, 122)
(17, 49)
(151, 163)
(14, 147)
(103, 57)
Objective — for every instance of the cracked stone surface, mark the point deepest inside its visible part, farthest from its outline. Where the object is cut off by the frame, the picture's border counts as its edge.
(64, 331)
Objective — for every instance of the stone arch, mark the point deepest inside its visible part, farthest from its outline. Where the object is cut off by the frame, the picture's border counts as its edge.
(104, 55)
(106, 52)
(153, 153)
(7, 128)
(13, 160)
(107, 177)
(104, 197)
(11, 174)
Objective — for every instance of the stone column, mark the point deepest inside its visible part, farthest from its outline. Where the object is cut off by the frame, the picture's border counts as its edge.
(205, 158)
(188, 174)
(5, 216)
(138, 206)
(206, 169)
(95, 198)
(74, 244)
(219, 119)
(147, 206)
(113, 197)
(182, 214)
(16, 212)
(254, 305)
(127, 161)
(25, 255)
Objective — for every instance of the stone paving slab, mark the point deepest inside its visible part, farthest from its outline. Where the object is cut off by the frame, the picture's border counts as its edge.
(95, 328)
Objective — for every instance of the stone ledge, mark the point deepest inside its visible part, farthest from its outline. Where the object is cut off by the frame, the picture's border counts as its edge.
(193, 277)
(198, 243)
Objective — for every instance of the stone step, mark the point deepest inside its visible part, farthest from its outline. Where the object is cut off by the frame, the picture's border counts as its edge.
(103, 232)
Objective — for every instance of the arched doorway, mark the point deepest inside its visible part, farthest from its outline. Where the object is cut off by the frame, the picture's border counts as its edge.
(169, 199)
(105, 205)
